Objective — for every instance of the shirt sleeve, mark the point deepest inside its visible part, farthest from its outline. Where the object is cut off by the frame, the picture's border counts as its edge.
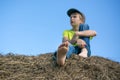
(65, 33)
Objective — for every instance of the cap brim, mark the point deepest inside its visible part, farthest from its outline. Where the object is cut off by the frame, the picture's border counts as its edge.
(70, 11)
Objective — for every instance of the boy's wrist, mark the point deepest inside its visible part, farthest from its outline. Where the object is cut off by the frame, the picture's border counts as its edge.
(77, 33)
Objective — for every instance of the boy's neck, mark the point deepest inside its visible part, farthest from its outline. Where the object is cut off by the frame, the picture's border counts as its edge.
(75, 28)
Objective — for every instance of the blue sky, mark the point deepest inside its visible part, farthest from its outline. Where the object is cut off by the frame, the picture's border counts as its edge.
(33, 27)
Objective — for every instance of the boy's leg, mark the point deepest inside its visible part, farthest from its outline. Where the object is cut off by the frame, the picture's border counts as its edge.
(64, 52)
(86, 39)
(83, 51)
(61, 53)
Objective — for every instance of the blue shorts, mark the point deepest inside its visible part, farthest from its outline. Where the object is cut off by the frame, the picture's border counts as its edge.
(72, 50)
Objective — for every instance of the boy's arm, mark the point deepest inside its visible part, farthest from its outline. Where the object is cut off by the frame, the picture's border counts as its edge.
(86, 33)
(64, 39)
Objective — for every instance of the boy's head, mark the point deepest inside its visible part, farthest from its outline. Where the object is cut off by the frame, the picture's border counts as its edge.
(75, 11)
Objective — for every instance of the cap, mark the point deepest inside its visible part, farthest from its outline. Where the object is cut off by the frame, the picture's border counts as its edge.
(73, 10)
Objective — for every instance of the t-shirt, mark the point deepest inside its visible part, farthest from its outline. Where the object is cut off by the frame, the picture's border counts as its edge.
(69, 34)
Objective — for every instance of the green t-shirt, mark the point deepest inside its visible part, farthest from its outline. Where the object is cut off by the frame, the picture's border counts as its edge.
(69, 34)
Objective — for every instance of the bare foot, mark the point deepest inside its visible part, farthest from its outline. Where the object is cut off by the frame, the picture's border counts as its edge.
(61, 54)
(83, 52)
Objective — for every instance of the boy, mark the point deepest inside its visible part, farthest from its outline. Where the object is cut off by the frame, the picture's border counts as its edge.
(75, 40)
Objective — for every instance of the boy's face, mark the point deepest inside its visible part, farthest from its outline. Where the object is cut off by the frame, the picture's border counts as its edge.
(75, 19)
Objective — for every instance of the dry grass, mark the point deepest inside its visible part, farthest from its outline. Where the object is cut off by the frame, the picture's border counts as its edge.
(43, 67)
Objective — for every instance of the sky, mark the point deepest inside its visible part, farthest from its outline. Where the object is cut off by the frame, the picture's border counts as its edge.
(33, 27)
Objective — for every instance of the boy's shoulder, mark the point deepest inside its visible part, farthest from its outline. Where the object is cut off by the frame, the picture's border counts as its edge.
(68, 30)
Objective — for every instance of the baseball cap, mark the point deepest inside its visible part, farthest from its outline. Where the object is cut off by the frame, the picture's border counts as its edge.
(73, 10)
